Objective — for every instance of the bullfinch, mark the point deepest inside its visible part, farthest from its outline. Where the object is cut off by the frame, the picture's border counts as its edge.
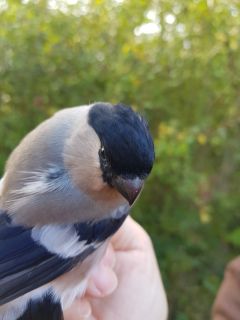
(67, 188)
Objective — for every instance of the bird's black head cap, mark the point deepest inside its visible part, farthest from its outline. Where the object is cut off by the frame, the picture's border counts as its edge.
(127, 146)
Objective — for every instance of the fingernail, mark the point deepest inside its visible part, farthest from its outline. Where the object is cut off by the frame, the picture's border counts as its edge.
(93, 290)
(103, 282)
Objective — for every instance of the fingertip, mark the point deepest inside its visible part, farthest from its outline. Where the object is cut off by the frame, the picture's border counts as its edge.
(80, 309)
(102, 282)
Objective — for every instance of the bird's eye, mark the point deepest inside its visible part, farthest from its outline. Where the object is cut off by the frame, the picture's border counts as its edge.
(102, 153)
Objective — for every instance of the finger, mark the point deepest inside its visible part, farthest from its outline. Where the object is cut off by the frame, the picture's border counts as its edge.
(109, 258)
(79, 310)
(131, 236)
(89, 318)
(103, 281)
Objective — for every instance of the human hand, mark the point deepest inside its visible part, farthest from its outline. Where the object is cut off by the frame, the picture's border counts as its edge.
(227, 303)
(129, 263)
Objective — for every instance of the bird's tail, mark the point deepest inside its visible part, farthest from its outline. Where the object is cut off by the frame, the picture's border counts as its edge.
(46, 308)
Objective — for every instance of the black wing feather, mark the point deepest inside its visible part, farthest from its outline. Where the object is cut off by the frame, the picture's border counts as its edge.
(46, 308)
(26, 265)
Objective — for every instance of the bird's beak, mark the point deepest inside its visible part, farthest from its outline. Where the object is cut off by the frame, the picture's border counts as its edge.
(129, 188)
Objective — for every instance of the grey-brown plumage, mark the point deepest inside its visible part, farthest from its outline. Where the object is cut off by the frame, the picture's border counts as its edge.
(28, 188)
(67, 188)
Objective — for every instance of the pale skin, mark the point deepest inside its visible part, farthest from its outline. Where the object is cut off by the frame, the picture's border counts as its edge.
(127, 284)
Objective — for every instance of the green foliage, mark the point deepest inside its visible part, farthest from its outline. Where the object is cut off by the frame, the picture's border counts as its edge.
(234, 237)
(184, 77)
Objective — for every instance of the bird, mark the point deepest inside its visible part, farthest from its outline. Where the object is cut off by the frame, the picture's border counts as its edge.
(67, 188)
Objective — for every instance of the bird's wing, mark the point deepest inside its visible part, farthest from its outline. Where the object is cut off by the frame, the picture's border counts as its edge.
(32, 257)
(26, 264)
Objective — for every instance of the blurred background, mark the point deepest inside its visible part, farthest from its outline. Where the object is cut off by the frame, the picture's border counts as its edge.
(177, 62)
